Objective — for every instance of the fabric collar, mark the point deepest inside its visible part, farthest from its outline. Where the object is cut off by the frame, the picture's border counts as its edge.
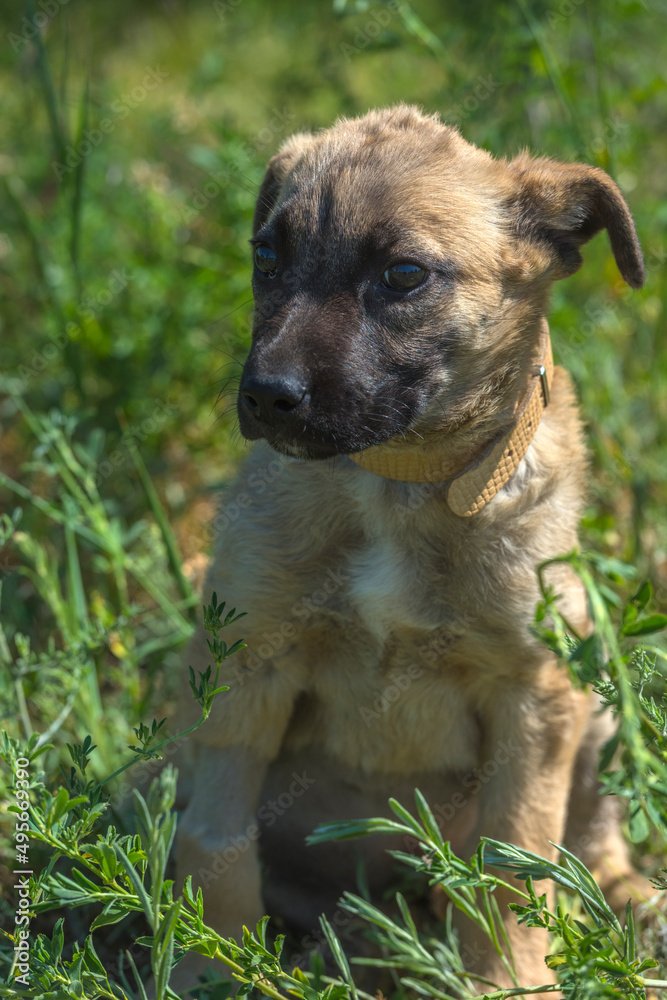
(472, 487)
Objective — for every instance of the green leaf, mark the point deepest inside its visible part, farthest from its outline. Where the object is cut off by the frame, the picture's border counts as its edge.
(112, 913)
(219, 690)
(163, 947)
(613, 568)
(261, 931)
(78, 880)
(92, 959)
(352, 829)
(643, 595)
(234, 648)
(647, 963)
(59, 807)
(105, 856)
(135, 879)
(337, 951)
(630, 951)
(206, 947)
(638, 824)
(57, 941)
(608, 751)
(652, 623)
(188, 895)
(555, 961)
(630, 614)
(590, 653)
(407, 818)
(610, 596)
(427, 818)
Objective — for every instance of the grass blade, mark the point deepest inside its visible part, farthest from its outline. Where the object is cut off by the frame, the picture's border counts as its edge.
(173, 554)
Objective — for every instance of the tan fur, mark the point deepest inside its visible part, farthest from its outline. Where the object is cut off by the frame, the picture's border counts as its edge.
(358, 587)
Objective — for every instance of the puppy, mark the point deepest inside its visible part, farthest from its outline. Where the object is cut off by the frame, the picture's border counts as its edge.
(418, 457)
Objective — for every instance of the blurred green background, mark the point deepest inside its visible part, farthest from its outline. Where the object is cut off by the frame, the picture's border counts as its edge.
(133, 139)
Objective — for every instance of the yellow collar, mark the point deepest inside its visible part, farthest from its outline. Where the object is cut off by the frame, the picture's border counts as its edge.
(471, 488)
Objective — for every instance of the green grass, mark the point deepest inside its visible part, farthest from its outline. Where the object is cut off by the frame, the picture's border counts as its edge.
(121, 878)
(125, 283)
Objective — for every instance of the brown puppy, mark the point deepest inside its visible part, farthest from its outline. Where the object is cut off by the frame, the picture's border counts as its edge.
(401, 283)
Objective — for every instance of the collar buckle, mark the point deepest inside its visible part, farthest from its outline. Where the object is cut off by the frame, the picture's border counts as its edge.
(544, 379)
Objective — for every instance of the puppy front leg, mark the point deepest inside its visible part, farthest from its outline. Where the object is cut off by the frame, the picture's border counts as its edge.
(218, 834)
(227, 759)
(531, 739)
(217, 846)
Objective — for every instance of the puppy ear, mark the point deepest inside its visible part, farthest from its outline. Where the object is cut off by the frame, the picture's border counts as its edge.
(279, 167)
(567, 204)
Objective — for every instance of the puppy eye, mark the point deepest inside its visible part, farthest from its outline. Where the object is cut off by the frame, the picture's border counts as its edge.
(266, 260)
(403, 277)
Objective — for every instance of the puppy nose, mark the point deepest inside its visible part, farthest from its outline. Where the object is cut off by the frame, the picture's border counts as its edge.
(272, 399)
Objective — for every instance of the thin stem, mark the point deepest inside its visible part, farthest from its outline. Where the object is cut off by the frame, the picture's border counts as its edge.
(24, 714)
(543, 590)
(261, 984)
(138, 757)
(553, 69)
(173, 555)
(518, 991)
(53, 512)
(57, 723)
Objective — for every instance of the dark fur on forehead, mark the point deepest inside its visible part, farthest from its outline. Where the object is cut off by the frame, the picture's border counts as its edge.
(545, 208)
(393, 173)
(351, 145)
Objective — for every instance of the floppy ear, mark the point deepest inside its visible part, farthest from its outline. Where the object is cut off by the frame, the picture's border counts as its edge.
(568, 203)
(279, 167)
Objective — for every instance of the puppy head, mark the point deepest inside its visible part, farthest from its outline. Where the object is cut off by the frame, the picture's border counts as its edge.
(400, 275)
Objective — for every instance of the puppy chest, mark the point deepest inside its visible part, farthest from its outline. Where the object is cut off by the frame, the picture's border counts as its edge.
(384, 711)
(393, 586)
